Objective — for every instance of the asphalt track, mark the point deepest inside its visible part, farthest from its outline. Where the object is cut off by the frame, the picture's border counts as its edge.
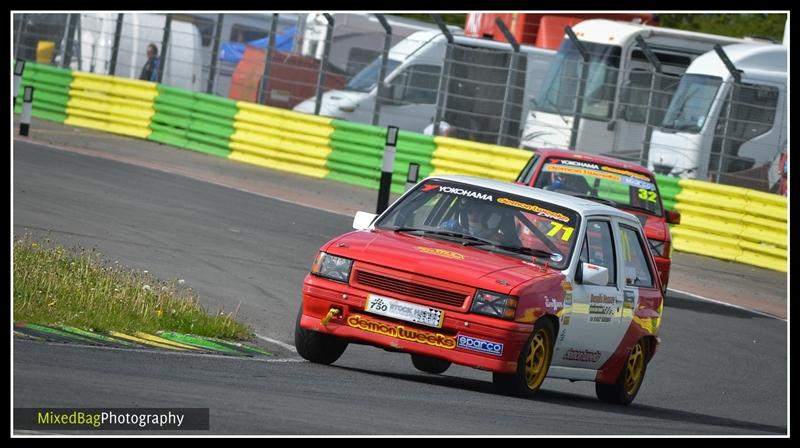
(719, 370)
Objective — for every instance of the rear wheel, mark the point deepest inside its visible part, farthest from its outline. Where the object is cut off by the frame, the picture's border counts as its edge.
(624, 390)
(317, 347)
(532, 366)
(428, 364)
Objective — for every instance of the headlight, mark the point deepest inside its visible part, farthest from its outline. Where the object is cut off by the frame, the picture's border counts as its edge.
(494, 304)
(332, 267)
(660, 248)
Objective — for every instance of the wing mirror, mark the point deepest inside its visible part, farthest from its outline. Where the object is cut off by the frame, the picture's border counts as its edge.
(592, 274)
(363, 220)
(673, 217)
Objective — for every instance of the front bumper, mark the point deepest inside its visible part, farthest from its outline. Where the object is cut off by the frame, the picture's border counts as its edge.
(353, 323)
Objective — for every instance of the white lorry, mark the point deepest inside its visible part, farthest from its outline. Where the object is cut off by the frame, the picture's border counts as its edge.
(612, 119)
(699, 123)
(475, 86)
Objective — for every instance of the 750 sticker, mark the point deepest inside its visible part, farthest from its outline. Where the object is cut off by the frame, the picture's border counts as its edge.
(409, 312)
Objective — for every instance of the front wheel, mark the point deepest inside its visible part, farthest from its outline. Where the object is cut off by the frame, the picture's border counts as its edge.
(624, 390)
(532, 366)
(430, 365)
(317, 347)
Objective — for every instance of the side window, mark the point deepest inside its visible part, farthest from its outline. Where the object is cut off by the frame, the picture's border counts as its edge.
(598, 248)
(527, 173)
(636, 267)
(418, 84)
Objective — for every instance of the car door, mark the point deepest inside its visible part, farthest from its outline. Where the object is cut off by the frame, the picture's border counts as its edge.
(592, 328)
(640, 281)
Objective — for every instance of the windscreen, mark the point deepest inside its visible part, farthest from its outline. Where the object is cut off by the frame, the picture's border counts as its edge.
(606, 184)
(487, 219)
(688, 110)
(366, 79)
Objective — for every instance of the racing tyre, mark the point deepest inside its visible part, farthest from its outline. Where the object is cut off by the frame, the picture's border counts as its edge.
(317, 347)
(532, 366)
(630, 379)
(428, 364)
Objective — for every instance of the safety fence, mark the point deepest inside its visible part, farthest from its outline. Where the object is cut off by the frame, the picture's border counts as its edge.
(720, 221)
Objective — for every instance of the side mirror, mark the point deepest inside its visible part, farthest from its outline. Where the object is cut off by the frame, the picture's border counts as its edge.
(363, 220)
(673, 217)
(592, 274)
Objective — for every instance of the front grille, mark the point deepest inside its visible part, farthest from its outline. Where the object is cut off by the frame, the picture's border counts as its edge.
(410, 289)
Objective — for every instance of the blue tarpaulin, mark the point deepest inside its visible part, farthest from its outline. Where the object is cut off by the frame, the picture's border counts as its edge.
(233, 51)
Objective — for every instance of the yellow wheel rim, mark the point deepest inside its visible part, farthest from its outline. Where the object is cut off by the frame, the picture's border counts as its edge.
(536, 362)
(634, 369)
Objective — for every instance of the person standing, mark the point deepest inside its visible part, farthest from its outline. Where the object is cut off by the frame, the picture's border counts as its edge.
(150, 69)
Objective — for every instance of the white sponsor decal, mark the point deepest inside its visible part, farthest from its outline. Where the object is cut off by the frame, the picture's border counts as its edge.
(581, 164)
(408, 312)
(463, 192)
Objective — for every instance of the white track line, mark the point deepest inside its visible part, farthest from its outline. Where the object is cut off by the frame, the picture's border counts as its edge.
(278, 343)
(719, 302)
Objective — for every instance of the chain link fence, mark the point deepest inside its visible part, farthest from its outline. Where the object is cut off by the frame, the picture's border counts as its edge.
(389, 70)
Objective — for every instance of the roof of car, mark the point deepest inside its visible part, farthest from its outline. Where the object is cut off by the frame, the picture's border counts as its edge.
(610, 161)
(584, 207)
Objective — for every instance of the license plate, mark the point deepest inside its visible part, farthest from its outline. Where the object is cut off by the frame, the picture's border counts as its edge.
(408, 312)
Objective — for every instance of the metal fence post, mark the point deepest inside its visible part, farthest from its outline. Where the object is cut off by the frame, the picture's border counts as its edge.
(576, 121)
(511, 66)
(736, 75)
(441, 98)
(164, 43)
(725, 130)
(112, 68)
(69, 40)
(262, 91)
(648, 133)
(324, 63)
(18, 36)
(387, 43)
(212, 69)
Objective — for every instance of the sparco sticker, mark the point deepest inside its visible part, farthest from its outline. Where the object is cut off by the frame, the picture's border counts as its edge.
(479, 345)
(582, 355)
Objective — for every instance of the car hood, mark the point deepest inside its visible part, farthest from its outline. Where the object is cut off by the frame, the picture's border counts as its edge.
(438, 258)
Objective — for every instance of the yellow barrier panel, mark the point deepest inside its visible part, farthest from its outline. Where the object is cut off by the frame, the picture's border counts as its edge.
(111, 104)
(281, 139)
(732, 223)
(454, 156)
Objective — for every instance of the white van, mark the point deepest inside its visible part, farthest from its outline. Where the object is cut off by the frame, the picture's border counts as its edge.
(475, 87)
(689, 139)
(184, 56)
(619, 76)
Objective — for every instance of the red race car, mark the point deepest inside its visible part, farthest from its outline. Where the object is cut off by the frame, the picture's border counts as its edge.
(518, 281)
(620, 184)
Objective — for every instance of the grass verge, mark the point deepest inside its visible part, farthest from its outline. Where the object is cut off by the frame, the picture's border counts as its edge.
(53, 285)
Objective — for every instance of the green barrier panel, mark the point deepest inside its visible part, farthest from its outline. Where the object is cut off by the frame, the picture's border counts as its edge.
(357, 155)
(195, 121)
(51, 91)
(669, 188)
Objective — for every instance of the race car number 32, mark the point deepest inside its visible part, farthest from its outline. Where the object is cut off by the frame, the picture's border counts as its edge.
(409, 312)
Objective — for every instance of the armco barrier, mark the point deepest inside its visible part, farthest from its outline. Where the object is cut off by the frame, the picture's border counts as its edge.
(454, 156)
(357, 155)
(51, 91)
(195, 121)
(732, 223)
(110, 103)
(281, 139)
